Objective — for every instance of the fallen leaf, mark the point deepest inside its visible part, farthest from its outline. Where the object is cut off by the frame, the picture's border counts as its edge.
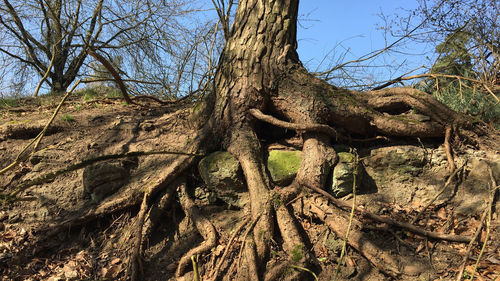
(441, 213)
(113, 272)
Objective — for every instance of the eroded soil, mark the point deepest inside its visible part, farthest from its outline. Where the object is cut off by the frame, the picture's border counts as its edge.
(98, 249)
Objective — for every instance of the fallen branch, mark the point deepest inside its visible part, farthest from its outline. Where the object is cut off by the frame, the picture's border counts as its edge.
(407, 226)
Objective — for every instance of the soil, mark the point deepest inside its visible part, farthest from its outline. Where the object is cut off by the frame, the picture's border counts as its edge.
(98, 249)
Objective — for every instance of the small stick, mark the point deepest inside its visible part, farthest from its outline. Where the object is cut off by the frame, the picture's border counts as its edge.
(215, 275)
(447, 183)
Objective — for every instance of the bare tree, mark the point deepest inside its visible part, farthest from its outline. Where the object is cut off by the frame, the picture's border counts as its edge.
(38, 30)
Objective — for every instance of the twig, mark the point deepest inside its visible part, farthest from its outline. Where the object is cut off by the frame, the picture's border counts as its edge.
(447, 183)
(215, 275)
(469, 247)
(254, 222)
(306, 270)
(35, 94)
(42, 133)
(436, 76)
(487, 212)
(494, 189)
(351, 217)
(93, 80)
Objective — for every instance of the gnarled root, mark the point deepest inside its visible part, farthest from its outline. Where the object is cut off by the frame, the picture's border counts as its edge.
(203, 225)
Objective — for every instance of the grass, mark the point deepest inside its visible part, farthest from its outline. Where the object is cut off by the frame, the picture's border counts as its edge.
(8, 102)
(67, 118)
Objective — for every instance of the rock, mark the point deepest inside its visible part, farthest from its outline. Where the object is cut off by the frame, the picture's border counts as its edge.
(402, 162)
(283, 165)
(103, 179)
(343, 175)
(222, 174)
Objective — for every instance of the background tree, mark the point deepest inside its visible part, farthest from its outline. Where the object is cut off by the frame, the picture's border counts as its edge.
(147, 34)
(463, 73)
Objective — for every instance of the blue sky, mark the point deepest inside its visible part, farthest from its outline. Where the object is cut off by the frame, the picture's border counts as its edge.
(350, 25)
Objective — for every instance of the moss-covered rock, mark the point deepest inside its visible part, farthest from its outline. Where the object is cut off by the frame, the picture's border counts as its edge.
(401, 162)
(222, 174)
(343, 175)
(283, 165)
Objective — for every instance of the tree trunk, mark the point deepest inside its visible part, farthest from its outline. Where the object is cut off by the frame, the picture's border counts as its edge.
(261, 46)
(260, 69)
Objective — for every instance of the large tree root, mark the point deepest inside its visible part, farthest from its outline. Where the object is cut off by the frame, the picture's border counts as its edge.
(246, 147)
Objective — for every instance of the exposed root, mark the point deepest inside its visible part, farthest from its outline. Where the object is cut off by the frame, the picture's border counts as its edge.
(407, 226)
(293, 244)
(318, 158)
(246, 147)
(252, 260)
(134, 267)
(203, 225)
(448, 149)
(318, 128)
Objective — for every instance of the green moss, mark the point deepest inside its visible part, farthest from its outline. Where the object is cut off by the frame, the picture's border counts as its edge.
(8, 102)
(283, 165)
(277, 201)
(346, 157)
(297, 252)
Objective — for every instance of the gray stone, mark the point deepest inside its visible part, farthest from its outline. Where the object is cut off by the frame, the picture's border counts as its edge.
(400, 162)
(222, 174)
